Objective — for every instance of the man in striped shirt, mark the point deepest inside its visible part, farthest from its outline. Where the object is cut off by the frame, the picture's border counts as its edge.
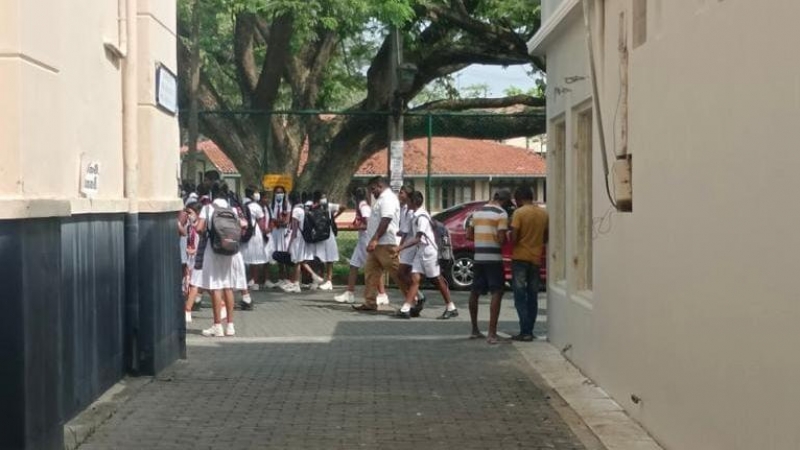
(488, 227)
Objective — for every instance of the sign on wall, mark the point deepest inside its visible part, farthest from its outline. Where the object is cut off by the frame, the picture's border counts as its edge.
(166, 89)
(396, 165)
(91, 179)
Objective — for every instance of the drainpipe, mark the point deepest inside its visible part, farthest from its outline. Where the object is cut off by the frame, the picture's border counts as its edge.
(130, 150)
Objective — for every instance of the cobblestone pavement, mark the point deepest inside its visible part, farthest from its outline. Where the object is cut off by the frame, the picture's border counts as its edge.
(307, 373)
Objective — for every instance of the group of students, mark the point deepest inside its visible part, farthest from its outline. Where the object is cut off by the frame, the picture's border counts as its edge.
(397, 236)
(264, 231)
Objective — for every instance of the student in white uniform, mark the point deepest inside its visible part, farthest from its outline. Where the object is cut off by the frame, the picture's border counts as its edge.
(221, 274)
(281, 215)
(405, 233)
(359, 258)
(426, 261)
(327, 251)
(253, 250)
(299, 251)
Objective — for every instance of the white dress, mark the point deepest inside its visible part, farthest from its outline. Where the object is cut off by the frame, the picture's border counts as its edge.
(299, 250)
(220, 271)
(279, 236)
(406, 219)
(328, 250)
(253, 251)
(359, 258)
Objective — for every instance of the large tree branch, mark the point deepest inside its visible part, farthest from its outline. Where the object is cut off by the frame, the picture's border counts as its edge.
(481, 103)
(243, 55)
(280, 35)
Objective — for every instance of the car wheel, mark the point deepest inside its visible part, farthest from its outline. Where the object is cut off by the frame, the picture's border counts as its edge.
(460, 274)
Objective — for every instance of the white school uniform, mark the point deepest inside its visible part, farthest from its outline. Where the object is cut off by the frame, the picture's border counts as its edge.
(359, 258)
(327, 250)
(426, 259)
(279, 237)
(299, 249)
(220, 271)
(406, 219)
(253, 251)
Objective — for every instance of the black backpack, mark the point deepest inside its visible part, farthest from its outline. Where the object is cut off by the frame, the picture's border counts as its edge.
(443, 243)
(250, 230)
(317, 224)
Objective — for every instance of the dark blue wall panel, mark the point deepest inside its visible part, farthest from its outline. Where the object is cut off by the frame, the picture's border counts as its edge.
(65, 295)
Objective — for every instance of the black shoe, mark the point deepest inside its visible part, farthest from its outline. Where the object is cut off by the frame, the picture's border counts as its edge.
(246, 306)
(447, 314)
(402, 315)
(416, 309)
(523, 337)
(364, 308)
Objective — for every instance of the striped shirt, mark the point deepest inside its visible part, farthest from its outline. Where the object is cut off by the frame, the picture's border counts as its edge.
(486, 222)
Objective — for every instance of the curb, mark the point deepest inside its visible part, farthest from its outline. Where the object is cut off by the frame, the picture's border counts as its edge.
(77, 430)
(611, 424)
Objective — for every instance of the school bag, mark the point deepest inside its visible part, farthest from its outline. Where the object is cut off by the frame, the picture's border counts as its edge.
(317, 224)
(248, 232)
(443, 244)
(225, 232)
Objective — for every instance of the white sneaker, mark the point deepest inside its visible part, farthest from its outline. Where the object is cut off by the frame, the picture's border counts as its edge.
(270, 285)
(345, 297)
(252, 287)
(230, 330)
(223, 313)
(291, 287)
(318, 279)
(214, 331)
(188, 317)
(382, 299)
(326, 286)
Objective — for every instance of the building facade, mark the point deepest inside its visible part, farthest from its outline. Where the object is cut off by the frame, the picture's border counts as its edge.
(682, 308)
(462, 170)
(88, 195)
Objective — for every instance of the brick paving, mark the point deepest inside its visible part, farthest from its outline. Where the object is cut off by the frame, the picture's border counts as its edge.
(307, 373)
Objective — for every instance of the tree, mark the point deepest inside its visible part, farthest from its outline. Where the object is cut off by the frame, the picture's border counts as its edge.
(334, 54)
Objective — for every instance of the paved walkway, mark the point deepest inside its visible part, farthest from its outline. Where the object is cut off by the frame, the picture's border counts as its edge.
(307, 373)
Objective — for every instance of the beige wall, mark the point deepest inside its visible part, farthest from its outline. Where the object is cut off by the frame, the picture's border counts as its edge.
(62, 104)
(693, 307)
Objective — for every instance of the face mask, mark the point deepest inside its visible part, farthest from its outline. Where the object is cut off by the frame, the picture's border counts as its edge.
(256, 197)
(279, 197)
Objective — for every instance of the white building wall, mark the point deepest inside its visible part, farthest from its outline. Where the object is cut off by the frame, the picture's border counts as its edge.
(61, 106)
(693, 309)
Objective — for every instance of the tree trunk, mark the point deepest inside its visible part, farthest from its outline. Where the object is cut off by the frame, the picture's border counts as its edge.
(194, 63)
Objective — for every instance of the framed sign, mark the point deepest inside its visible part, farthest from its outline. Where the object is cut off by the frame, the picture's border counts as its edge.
(166, 89)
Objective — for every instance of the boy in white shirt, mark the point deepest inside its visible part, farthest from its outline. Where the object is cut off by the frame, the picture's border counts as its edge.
(426, 262)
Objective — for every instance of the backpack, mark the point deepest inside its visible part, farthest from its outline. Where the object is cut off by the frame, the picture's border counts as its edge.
(247, 234)
(225, 232)
(317, 224)
(443, 243)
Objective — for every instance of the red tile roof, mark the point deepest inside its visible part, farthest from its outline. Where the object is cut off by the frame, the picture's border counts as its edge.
(460, 157)
(214, 154)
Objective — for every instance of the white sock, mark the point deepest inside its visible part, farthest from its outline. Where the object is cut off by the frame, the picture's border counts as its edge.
(246, 298)
(451, 306)
(405, 308)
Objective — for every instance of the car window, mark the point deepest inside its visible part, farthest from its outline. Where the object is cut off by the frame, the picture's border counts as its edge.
(443, 216)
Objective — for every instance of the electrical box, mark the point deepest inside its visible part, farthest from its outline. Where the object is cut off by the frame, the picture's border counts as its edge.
(623, 189)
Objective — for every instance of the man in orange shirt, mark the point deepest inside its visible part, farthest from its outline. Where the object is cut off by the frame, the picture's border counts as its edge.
(528, 234)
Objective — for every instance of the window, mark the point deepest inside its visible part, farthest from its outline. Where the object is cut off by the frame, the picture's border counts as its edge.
(583, 201)
(639, 22)
(455, 192)
(557, 248)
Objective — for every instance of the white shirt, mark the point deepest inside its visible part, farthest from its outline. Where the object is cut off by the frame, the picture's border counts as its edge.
(387, 206)
(422, 224)
(406, 217)
(299, 214)
(256, 212)
(366, 211)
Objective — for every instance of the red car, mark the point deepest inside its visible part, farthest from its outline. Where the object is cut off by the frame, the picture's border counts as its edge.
(459, 274)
